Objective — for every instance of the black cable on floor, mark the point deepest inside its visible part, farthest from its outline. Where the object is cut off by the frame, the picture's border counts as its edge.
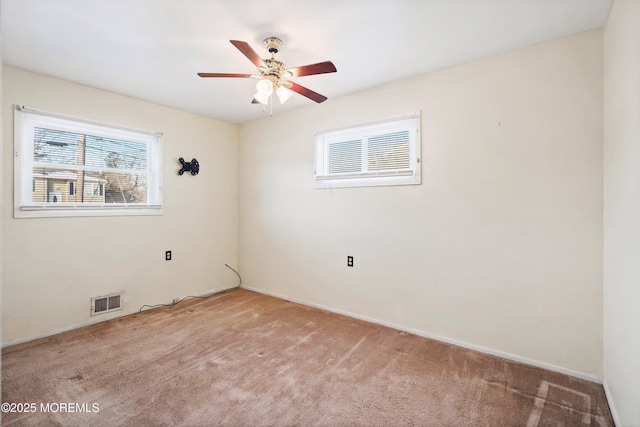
(193, 296)
(237, 274)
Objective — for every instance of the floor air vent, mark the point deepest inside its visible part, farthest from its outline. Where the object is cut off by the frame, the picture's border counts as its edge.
(106, 303)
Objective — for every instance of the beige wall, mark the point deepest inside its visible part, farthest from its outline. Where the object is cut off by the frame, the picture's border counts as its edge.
(622, 211)
(501, 245)
(2, 126)
(53, 266)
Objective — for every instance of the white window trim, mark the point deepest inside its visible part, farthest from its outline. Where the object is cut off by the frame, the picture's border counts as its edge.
(24, 207)
(412, 176)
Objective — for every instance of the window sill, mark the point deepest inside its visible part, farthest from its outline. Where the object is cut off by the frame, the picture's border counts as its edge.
(66, 211)
(370, 181)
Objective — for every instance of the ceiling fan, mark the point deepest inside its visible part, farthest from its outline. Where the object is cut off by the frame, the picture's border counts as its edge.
(274, 76)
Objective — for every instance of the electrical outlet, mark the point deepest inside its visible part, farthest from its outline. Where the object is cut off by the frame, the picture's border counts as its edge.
(167, 255)
(349, 261)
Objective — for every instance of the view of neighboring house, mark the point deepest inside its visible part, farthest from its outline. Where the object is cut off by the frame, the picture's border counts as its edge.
(60, 186)
(62, 158)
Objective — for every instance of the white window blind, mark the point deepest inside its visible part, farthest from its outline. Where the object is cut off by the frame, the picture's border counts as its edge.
(69, 167)
(383, 153)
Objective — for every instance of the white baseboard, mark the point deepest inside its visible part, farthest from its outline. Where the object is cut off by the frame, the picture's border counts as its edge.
(612, 407)
(498, 353)
(114, 315)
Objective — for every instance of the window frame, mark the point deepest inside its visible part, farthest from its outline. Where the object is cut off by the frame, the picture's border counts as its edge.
(411, 175)
(27, 119)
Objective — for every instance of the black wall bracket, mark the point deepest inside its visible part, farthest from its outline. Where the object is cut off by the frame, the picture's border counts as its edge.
(193, 166)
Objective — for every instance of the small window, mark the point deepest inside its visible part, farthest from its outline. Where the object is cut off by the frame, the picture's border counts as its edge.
(383, 153)
(78, 167)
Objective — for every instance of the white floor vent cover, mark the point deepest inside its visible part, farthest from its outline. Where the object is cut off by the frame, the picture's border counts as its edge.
(106, 303)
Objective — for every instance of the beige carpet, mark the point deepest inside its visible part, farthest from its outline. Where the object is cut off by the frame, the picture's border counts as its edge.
(246, 359)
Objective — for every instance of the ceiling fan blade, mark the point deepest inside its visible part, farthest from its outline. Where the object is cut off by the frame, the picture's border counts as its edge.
(248, 52)
(314, 96)
(225, 75)
(308, 70)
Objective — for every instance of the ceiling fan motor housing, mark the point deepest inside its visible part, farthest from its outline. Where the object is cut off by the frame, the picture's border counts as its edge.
(274, 68)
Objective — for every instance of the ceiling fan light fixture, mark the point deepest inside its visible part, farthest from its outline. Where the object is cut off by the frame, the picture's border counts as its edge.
(283, 94)
(264, 87)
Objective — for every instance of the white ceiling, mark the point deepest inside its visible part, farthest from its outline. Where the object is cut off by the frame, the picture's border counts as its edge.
(152, 49)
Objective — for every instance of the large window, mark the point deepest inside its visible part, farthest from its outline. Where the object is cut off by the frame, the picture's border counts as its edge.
(68, 167)
(384, 153)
